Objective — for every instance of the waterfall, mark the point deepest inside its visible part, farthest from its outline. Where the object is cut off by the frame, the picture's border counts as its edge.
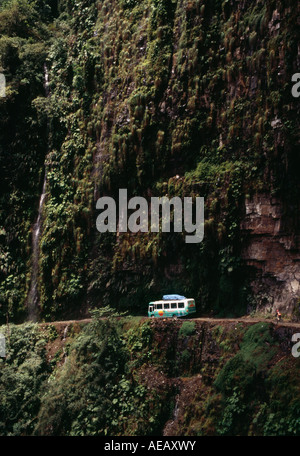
(65, 332)
(46, 80)
(33, 296)
(169, 428)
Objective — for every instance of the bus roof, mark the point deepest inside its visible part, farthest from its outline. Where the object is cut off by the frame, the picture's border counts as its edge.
(172, 297)
(171, 300)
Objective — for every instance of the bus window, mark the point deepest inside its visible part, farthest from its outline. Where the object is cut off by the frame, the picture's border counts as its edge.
(181, 305)
(173, 305)
(167, 306)
(159, 306)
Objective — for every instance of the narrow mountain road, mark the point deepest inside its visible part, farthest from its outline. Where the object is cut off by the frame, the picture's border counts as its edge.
(245, 319)
(250, 320)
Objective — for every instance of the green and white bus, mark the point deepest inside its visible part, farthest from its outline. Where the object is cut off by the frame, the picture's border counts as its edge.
(172, 308)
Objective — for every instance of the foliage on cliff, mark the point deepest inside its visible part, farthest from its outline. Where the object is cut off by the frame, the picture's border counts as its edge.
(132, 377)
(23, 37)
(182, 97)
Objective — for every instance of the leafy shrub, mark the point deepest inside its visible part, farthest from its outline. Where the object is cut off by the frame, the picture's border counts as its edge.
(187, 329)
(21, 378)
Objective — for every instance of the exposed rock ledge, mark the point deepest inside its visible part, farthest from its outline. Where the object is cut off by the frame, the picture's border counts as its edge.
(273, 252)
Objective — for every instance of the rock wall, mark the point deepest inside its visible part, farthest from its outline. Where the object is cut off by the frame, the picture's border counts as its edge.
(272, 250)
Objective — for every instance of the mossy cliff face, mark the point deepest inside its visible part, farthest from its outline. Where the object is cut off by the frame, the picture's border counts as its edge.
(176, 98)
(131, 377)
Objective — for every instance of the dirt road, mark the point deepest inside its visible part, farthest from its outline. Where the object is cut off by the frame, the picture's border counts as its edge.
(246, 319)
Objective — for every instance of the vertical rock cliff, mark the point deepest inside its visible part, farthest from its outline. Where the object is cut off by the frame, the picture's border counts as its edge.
(273, 252)
(163, 98)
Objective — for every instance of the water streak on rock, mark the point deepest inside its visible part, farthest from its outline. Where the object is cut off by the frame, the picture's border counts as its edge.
(33, 296)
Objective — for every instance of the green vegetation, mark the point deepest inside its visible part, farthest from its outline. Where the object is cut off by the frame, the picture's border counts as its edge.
(22, 374)
(164, 98)
(23, 50)
(120, 376)
(140, 92)
(247, 383)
